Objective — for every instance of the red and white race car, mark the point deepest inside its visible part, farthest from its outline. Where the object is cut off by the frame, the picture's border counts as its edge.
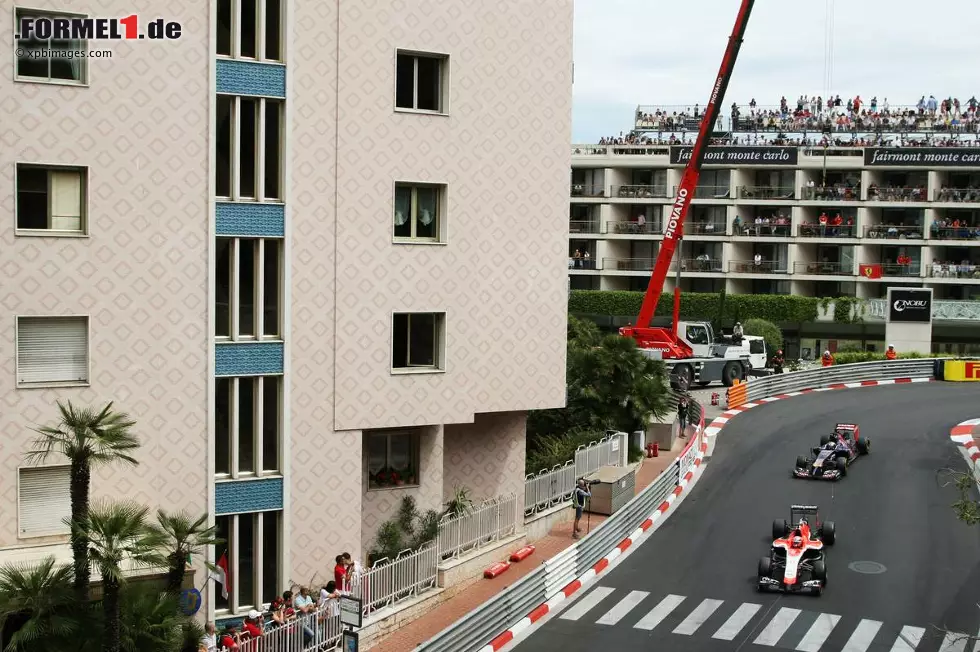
(796, 561)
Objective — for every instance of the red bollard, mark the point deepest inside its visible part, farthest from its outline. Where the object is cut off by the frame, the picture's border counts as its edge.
(522, 553)
(653, 449)
(496, 569)
(714, 398)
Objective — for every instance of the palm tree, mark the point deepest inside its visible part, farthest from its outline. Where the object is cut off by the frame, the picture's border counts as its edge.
(150, 620)
(38, 608)
(118, 532)
(88, 439)
(184, 537)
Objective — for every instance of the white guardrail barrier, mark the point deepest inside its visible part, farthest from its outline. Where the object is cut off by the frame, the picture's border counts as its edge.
(475, 630)
(479, 627)
(554, 486)
(755, 389)
(491, 521)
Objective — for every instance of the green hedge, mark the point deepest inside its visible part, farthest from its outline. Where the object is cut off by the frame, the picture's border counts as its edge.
(868, 356)
(697, 306)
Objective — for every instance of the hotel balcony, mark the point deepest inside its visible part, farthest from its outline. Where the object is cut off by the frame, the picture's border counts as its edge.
(824, 269)
(640, 192)
(835, 193)
(761, 267)
(766, 193)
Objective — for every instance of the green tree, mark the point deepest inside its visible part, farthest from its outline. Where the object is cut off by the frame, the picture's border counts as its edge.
(150, 620)
(88, 439)
(38, 607)
(118, 533)
(768, 331)
(184, 537)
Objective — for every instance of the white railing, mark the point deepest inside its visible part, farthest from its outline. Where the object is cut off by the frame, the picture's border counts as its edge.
(554, 486)
(493, 520)
(389, 582)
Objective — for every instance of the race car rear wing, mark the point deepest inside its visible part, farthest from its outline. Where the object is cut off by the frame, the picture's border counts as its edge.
(804, 508)
(845, 426)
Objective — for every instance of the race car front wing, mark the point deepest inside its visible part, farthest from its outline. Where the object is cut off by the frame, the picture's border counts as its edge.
(828, 474)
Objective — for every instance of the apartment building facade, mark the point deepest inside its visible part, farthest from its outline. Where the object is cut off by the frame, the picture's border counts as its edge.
(287, 244)
(764, 219)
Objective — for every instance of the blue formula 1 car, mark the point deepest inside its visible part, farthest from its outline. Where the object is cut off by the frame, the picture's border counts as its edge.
(836, 452)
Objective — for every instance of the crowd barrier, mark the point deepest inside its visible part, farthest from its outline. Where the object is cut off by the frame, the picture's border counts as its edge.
(554, 486)
(493, 520)
(475, 630)
(755, 389)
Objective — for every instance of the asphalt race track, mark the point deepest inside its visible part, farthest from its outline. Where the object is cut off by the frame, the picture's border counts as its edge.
(691, 586)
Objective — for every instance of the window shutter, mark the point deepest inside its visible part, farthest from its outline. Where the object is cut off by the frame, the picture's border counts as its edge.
(44, 500)
(52, 349)
(66, 200)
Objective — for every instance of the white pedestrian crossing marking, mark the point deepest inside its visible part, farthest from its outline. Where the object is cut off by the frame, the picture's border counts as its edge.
(697, 617)
(861, 639)
(908, 639)
(737, 621)
(976, 646)
(658, 613)
(585, 604)
(819, 631)
(954, 642)
(622, 608)
(777, 627)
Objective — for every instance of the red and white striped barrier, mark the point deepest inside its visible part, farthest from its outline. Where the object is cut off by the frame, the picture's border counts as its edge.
(962, 435)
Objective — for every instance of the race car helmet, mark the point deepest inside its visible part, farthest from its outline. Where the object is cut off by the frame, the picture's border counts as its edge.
(797, 542)
(830, 446)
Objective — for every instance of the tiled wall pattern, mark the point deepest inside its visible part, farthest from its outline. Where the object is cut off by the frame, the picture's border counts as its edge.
(142, 128)
(487, 456)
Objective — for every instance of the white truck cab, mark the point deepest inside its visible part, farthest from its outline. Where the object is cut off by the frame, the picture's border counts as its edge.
(701, 338)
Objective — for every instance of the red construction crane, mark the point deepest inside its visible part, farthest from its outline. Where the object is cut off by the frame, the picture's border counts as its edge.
(663, 339)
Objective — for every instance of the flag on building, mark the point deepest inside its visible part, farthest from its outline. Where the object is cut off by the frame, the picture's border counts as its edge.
(871, 271)
(223, 576)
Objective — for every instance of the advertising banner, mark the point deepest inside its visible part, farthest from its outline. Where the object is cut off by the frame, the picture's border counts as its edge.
(910, 305)
(921, 157)
(962, 371)
(681, 155)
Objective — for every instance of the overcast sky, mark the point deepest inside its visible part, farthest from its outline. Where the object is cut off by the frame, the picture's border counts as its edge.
(627, 52)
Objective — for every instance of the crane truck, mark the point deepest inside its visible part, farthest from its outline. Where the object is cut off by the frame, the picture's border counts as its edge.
(691, 351)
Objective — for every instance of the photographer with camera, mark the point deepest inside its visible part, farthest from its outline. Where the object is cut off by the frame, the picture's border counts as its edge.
(582, 492)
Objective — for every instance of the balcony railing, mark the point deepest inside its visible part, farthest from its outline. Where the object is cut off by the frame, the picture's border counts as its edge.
(713, 227)
(583, 226)
(586, 190)
(581, 263)
(830, 193)
(953, 270)
(899, 270)
(781, 229)
(817, 230)
(893, 232)
(832, 269)
(954, 232)
(702, 265)
(710, 192)
(650, 227)
(765, 192)
(628, 264)
(911, 194)
(958, 195)
(760, 267)
(640, 192)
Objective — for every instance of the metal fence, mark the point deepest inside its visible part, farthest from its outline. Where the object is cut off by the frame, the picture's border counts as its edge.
(472, 632)
(758, 388)
(493, 520)
(554, 486)
(389, 582)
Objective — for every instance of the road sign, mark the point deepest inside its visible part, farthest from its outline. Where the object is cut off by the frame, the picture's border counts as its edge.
(350, 611)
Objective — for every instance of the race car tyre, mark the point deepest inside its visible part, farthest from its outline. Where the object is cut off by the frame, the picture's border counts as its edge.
(864, 446)
(731, 373)
(820, 571)
(825, 440)
(841, 463)
(780, 528)
(801, 462)
(828, 533)
(765, 569)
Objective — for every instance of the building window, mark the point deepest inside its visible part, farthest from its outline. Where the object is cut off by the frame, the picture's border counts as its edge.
(248, 426)
(253, 549)
(248, 288)
(51, 200)
(52, 351)
(43, 500)
(250, 29)
(393, 459)
(419, 212)
(421, 82)
(48, 59)
(248, 144)
(418, 341)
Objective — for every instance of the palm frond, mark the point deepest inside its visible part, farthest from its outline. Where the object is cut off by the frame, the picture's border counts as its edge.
(120, 532)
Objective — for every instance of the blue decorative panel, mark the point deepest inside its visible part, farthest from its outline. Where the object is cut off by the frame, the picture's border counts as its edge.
(235, 497)
(250, 78)
(256, 220)
(248, 358)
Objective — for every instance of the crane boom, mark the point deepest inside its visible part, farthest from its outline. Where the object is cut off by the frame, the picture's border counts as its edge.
(689, 181)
